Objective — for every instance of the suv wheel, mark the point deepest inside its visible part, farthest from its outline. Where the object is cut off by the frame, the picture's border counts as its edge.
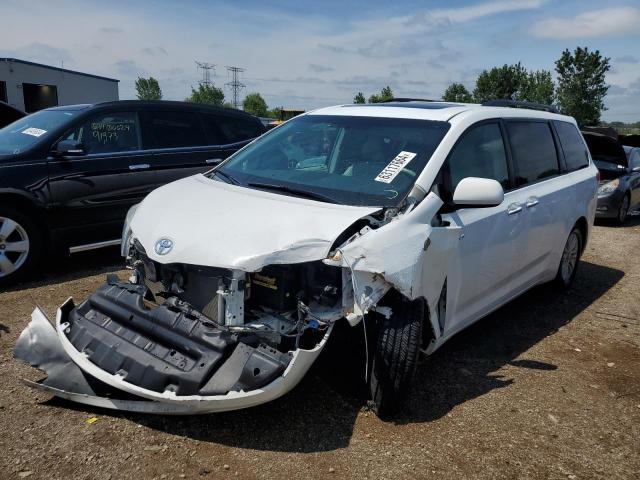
(570, 258)
(396, 356)
(20, 245)
(623, 210)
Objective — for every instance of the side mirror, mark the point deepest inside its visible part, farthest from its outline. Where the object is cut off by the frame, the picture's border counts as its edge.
(68, 148)
(478, 192)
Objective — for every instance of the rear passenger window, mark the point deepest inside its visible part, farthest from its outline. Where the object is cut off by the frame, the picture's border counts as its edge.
(573, 147)
(480, 153)
(533, 151)
(223, 129)
(172, 129)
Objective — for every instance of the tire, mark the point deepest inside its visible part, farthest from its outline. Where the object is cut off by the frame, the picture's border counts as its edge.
(396, 356)
(570, 260)
(20, 245)
(623, 209)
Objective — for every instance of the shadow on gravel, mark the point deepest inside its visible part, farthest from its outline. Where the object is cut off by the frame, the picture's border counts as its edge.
(75, 266)
(319, 415)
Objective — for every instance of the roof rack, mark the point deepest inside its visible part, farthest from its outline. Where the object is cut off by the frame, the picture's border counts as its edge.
(408, 100)
(520, 104)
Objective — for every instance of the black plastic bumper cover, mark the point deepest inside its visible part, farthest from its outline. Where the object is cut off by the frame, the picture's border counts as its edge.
(166, 348)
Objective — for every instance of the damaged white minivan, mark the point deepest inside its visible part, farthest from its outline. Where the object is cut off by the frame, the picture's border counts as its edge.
(417, 218)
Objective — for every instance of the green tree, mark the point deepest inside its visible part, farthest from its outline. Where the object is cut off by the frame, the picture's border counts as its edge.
(499, 83)
(359, 98)
(255, 105)
(581, 84)
(228, 105)
(537, 87)
(274, 112)
(148, 89)
(206, 94)
(385, 95)
(457, 92)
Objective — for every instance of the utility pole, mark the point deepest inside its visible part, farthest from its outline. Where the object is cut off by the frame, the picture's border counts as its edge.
(206, 69)
(235, 85)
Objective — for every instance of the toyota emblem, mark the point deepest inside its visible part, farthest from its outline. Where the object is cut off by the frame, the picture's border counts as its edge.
(164, 246)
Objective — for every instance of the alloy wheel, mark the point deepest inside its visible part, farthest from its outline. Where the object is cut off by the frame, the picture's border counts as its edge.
(14, 246)
(570, 257)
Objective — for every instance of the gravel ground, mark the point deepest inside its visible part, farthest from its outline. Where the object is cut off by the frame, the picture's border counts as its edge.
(547, 387)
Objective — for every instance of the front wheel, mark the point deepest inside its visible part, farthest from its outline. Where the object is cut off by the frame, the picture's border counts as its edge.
(569, 261)
(623, 210)
(20, 245)
(396, 356)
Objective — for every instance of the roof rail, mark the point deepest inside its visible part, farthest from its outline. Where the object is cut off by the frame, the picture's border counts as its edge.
(520, 104)
(408, 100)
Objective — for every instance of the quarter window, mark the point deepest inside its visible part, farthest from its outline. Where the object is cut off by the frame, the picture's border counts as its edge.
(172, 129)
(533, 151)
(480, 153)
(108, 133)
(575, 152)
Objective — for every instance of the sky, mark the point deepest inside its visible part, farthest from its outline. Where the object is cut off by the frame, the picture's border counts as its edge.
(302, 54)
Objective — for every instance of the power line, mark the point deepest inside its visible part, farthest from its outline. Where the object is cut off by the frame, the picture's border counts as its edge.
(235, 85)
(206, 69)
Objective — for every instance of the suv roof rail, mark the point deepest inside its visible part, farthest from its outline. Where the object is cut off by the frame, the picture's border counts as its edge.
(402, 99)
(520, 104)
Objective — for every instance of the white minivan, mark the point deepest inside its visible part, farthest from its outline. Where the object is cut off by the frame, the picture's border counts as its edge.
(417, 218)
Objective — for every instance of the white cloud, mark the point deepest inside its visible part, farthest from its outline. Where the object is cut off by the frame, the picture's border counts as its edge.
(595, 23)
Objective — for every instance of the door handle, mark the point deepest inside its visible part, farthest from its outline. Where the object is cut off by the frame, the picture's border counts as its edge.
(213, 161)
(139, 166)
(531, 202)
(514, 208)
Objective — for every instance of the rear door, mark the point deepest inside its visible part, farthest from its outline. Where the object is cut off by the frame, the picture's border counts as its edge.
(92, 192)
(485, 269)
(545, 196)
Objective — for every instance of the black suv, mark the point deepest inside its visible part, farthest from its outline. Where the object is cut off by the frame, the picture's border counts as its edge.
(69, 174)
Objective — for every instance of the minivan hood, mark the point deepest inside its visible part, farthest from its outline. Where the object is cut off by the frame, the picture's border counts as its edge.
(215, 224)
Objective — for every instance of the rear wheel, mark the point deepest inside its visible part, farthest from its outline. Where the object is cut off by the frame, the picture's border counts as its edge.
(20, 245)
(396, 356)
(623, 210)
(570, 258)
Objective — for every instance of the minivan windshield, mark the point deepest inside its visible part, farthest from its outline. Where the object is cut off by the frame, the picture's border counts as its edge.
(344, 159)
(24, 133)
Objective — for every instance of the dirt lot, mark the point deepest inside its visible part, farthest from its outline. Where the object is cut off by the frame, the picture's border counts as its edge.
(547, 387)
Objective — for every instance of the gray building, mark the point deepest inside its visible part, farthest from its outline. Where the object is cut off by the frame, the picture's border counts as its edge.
(32, 86)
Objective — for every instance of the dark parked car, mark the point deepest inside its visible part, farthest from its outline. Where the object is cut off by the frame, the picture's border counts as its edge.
(619, 189)
(69, 174)
(9, 114)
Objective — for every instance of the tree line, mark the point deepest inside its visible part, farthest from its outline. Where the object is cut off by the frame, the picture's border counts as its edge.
(149, 89)
(579, 91)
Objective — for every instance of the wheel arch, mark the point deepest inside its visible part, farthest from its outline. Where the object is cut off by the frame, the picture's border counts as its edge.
(583, 225)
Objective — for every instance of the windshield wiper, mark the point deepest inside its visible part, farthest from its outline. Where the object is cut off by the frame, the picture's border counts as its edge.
(227, 176)
(293, 190)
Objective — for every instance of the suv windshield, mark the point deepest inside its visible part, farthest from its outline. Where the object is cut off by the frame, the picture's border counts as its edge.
(350, 160)
(24, 133)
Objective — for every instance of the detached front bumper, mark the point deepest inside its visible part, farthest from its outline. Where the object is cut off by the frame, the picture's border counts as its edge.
(137, 373)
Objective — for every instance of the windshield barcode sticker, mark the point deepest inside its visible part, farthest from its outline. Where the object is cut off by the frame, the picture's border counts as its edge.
(34, 132)
(395, 166)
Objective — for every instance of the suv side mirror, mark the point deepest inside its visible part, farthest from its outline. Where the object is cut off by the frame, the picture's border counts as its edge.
(478, 192)
(68, 148)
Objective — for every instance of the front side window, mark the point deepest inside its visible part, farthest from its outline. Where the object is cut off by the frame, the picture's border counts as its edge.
(575, 152)
(23, 134)
(533, 151)
(108, 133)
(173, 129)
(480, 153)
(352, 160)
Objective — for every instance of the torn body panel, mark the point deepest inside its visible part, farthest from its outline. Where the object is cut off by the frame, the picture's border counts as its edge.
(412, 254)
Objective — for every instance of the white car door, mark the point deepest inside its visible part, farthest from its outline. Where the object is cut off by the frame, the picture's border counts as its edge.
(487, 263)
(545, 195)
